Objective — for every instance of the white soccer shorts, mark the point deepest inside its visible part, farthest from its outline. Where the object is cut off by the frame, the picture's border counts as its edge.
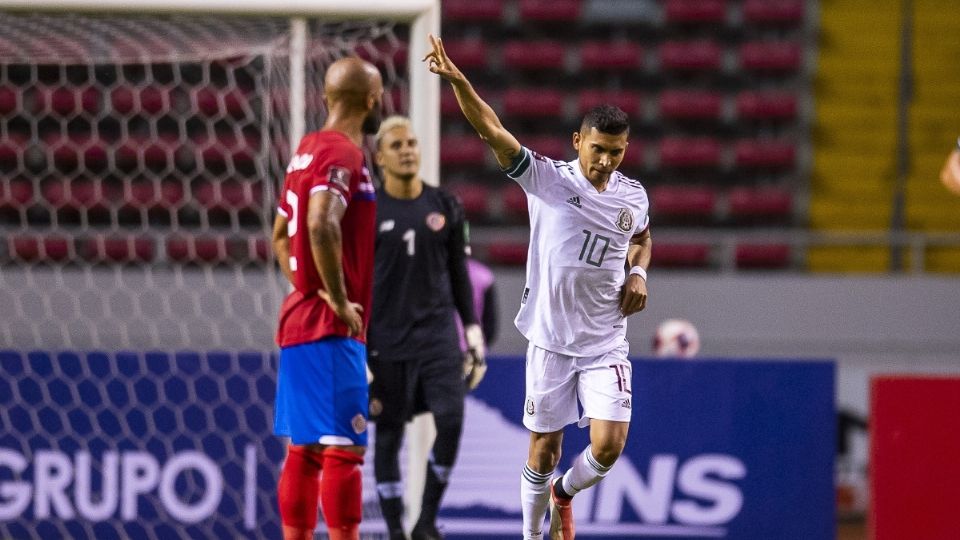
(554, 383)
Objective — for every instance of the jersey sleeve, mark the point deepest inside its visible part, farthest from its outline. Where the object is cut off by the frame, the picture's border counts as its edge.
(531, 170)
(332, 170)
(457, 264)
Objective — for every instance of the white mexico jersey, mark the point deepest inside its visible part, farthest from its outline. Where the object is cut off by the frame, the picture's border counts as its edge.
(578, 249)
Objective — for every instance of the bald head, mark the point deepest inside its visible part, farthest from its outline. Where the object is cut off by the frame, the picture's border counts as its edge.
(351, 80)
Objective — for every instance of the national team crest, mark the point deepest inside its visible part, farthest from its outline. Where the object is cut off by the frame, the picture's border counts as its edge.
(359, 424)
(625, 220)
(436, 221)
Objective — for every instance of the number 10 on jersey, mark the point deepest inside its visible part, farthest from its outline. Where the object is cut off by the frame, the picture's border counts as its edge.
(598, 245)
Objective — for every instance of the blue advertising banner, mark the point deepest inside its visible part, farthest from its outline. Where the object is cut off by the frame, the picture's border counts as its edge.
(134, 445)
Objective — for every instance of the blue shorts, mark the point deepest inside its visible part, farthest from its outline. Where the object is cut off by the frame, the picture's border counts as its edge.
(322, 393)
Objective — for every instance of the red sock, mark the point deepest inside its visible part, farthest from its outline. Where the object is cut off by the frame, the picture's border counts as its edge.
(340, 493)
(299, 488)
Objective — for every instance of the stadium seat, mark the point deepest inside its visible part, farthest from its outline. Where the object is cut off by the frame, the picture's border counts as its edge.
(534, 55)
(258, 248)
(558, 147)
(773, 12)
(533, 102)
(24, 248)
(507, 254)
(76, 150)
(461, 150)
(634, 156)
(67, 102)
(16, 194)
(216, 102)
(701, 55)
(763, 205)
(777, 56)
(771, 154)
(197, 249)
(514, 202)
(117, 249)
(149, 100)
(679, 104)
(683, 203)
(621, 12)
(766, 105)
(80, 193)
(139, 151)
(56, 248)
(9, 100)
(28, 248)
(627, 100)
(762, 256)
(12, 149)
(474, 197)
(695, 11)
(468, 54)
(472, 10)
(383, 51)
(689, 152)
(610, 55)
(680, 255)
(564, 11)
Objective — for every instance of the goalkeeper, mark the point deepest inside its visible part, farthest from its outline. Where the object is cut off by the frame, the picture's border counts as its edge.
(420, 281)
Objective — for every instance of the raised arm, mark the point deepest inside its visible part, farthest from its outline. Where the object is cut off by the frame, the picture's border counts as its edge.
(504, 145)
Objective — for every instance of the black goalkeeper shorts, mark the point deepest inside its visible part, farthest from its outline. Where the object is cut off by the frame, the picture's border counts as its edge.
(402, 389)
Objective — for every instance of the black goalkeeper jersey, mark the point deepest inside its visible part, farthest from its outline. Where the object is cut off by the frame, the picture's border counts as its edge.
(419, 277)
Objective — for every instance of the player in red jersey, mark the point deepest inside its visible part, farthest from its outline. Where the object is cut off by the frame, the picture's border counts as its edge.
(323, 238)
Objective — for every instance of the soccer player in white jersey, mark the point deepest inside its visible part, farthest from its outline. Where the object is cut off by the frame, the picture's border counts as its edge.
(586, 273)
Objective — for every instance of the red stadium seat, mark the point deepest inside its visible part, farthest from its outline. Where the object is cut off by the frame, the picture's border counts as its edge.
(633, 157)
(199, 249)
(137, 151)
(534, 55)
(514, 202)
(9, 100)
(258, 248)
(764, 154)
(550, 10)
(767, 105)
(627, 100)
(689, 152)
(118, 249)
(171, 194)
(16, 194)
(762, 256)
(150, 100)
(24, 248)
(216, 102)
(474, 197)
(533, 103)
(66, 101)
(472, 10)
(750, 204)
(695, 11)
(57, 248)
(558, 147)
(612, 55)
(778, 12)
(702, 55)
(383, 51)
(770, 56)
(75, 150)
(462, 150)
(12, 150)
(679, 104)
(77, 193)
(467, 53)
(683, 201)
(507, 254)
(680, 255)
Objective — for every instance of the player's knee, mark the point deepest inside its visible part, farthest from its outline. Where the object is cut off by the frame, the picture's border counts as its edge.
(607, 452)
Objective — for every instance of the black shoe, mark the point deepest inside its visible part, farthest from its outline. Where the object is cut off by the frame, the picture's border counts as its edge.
(398, 535)
(425, 532)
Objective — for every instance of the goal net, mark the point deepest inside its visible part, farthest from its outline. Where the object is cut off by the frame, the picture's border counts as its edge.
(139, 158)
(138, 162)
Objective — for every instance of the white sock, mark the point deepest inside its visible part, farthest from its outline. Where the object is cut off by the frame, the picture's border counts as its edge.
(584, 473)
(534, 499)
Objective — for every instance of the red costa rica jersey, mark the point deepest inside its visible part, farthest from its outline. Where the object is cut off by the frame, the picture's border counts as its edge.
(326, 161)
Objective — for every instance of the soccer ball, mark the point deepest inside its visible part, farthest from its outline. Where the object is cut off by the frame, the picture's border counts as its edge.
(677, 338)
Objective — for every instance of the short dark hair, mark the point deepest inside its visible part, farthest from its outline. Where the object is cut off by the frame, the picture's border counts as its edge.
(607, 119)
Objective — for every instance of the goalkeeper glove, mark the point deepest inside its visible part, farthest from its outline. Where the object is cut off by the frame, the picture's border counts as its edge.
(475, 362)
